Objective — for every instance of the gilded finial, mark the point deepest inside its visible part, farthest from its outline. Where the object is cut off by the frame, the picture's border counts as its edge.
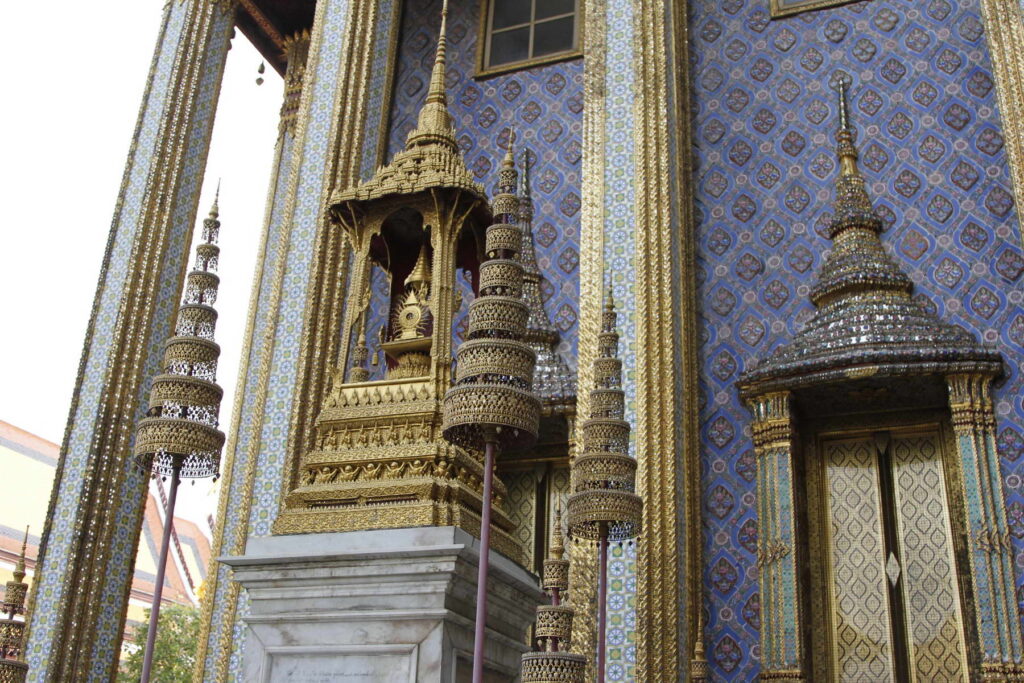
(421, 270)
(509, 161)
(19, 568)
(215, 209)
(844, 112)
(699, 667)
(557, 549)
(846, 150)
(436, 92)
(524, 179)
(358, 371)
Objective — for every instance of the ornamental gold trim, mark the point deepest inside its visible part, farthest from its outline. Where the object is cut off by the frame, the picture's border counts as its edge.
(236, 545)
(669, 576)
(780, 8)
(1004, 29)
(583, 566)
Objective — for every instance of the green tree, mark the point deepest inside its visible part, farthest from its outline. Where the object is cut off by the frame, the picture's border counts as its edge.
(175, 652)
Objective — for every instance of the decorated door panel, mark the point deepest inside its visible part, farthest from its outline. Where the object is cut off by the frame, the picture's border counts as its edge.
(890, 580)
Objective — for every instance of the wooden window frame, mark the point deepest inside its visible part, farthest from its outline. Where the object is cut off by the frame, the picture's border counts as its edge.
(484, 40)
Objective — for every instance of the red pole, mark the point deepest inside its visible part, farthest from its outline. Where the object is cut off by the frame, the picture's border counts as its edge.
(161, 569)
(485, 560)
(602, 600)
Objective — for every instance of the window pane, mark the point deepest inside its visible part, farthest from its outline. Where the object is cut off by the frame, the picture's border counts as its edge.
(510, 46)
(510, 13)
(552, 8)
(552, 36)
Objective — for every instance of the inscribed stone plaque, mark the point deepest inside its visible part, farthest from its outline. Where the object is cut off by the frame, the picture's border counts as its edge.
(341, 668)
(781, 8)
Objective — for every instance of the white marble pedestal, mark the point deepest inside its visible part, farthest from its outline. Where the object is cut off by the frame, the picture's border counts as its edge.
(388, 606)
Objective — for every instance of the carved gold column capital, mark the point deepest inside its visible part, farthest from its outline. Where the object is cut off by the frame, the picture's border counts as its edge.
(296, 51)
(772, 426)
(970, 401)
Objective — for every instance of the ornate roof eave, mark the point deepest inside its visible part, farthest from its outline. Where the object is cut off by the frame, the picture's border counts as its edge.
(866, 324)
(856, 365)
(412, 171)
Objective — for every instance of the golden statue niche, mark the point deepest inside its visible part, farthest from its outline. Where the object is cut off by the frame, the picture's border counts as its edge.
(378, 459)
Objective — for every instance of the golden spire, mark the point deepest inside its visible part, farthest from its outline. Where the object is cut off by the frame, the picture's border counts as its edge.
(436, 93)
(557, 550)
(421, 270)
(12, 627)
(553, 631)
(604, 504)
(359, 371)
(699, 667)
(509, 161)
(215, 207)
(434, 124)
(19, 568)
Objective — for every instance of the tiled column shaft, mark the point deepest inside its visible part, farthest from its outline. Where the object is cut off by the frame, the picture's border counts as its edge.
(93, 522)
(989, 544)
(635, 207)
(1004, 30)
(333, 130)
(236, 475)
(669, 575)
(781, 647)
(607, 246)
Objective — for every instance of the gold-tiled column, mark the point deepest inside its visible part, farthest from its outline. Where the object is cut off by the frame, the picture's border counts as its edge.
(781, 647)
(1004, 28)
(93, 522)
(322, 141)
(637, 223)
(989, 544)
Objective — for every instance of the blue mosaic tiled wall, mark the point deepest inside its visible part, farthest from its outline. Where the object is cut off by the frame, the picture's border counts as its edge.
(932, 151)
(546, 106)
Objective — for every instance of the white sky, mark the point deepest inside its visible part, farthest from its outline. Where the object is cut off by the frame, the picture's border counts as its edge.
(74, 80)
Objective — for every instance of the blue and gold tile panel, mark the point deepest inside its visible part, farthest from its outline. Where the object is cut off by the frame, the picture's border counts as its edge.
(932, 151)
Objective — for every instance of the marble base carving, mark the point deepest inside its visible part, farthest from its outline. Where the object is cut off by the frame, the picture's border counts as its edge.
(379, 606)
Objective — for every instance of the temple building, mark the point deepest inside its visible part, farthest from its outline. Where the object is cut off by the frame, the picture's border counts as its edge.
(768, 249)
(31, 461)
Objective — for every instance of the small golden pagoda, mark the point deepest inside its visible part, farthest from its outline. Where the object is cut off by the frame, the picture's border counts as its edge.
(552, 662)
(12, 626)
(378, 459)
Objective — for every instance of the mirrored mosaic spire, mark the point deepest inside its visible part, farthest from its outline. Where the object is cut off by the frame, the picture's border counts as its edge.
(866, 317)
(179, 431)
(12, 625)
(553, 381)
